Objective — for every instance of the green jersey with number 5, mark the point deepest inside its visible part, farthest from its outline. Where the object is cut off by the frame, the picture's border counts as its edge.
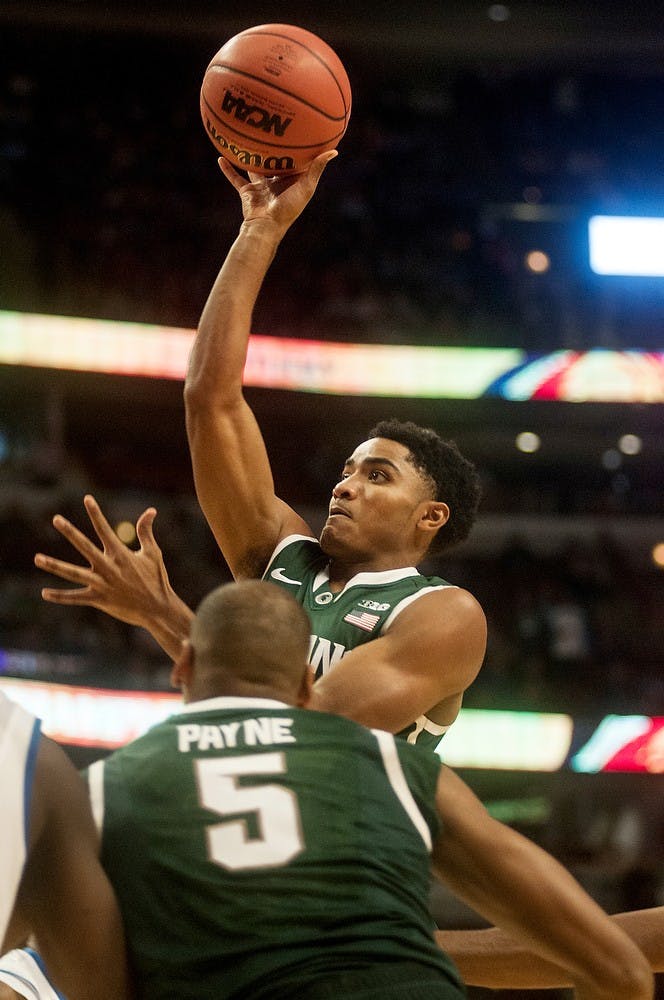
(255, 847)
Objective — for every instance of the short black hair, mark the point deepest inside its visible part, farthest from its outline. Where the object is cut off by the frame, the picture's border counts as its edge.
(454, 479)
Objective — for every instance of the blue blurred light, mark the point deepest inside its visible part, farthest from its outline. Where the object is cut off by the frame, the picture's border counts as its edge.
(627, 245)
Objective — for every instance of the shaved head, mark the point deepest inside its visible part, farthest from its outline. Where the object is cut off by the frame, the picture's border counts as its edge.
(249, 638)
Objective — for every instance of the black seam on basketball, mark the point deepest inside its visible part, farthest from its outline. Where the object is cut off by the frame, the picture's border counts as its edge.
(268, 143)
(312, 52)
(281, 90)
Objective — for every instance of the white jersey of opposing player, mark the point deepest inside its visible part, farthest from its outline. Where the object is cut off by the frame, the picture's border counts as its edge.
(19, 741)
(22, 969)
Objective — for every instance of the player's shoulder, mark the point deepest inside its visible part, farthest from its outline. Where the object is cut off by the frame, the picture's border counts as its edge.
(293, 555)
(434, 598)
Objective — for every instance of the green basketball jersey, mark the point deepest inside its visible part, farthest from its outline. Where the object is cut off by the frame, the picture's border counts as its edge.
(363, 610)
(254, 847)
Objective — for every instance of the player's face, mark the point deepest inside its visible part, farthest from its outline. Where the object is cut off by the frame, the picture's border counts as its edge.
(375, 505)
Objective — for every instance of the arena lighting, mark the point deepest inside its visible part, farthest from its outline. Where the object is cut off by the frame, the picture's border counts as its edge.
(623, 743)
(414, 372)
(95, 717)
(626, 245)
(528, 442)
(508, 741)
(490, 740)
(90, 717)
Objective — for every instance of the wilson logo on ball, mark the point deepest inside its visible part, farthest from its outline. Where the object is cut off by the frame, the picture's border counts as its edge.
(249, 159)
(252, 114)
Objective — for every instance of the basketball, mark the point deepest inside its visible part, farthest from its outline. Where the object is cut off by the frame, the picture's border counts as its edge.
(274, 97)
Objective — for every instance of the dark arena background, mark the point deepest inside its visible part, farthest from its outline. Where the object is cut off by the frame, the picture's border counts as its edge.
(445, 272)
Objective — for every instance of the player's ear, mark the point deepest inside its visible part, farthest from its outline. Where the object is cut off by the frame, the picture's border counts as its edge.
(434, 516)
(182, 668)
(306, 687)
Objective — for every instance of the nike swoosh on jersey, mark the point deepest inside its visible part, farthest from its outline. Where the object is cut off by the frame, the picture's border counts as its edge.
(278, 574)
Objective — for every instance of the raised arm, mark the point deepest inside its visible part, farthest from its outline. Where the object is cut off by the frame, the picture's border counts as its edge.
(65, 898)
(231, 468)
(513, 883)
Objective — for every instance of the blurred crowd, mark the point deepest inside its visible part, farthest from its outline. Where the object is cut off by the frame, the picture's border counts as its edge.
(111, 204)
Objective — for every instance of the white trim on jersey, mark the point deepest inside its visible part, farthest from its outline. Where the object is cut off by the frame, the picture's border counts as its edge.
(288, 540)
(229, 701)
(21, 970)
(96, 793)
(377, 578)
(426, 725)
(399, 784)
(398, 608)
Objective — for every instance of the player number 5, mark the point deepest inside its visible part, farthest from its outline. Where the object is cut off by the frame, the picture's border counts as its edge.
(275, 807)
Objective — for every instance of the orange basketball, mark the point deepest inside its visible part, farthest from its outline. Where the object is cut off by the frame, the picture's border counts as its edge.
(273, 98)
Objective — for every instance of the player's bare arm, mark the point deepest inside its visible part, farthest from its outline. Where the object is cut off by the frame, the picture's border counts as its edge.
(65, 897)
(517, 886)
(420, 666)
(231, 468)
(496, 960)
(132, 586)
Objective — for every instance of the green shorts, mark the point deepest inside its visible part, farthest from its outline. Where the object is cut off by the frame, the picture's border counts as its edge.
(385, 981)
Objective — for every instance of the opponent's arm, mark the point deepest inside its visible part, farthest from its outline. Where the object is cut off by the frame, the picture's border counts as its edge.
(496, 960)
(132, 586)
(513, 883)
(422, 664)
(65, 897)
(231, 468)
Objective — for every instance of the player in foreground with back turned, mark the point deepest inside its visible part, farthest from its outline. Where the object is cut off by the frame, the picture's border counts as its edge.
(390, 647)
(260, 850)
(52, 885)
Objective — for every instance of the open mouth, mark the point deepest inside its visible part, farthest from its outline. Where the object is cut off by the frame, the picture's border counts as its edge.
(339, 512)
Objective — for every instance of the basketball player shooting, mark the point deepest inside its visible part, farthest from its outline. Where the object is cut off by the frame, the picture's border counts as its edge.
(391, 648)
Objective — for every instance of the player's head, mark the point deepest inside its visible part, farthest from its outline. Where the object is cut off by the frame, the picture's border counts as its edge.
(451, 477)
(248, 639)
(404, 492)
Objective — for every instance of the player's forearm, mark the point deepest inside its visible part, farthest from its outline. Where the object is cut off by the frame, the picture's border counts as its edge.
(169, 627)
(646, 929)
(218, 356)
(517, 886)
(495, 960)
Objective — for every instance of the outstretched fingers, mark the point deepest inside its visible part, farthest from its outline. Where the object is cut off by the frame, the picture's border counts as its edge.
(104, 531)
(76, 539)
(144, 531)
(88, 580)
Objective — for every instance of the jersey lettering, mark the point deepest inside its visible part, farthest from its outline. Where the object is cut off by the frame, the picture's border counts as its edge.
(322, 657)
(263, 731)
